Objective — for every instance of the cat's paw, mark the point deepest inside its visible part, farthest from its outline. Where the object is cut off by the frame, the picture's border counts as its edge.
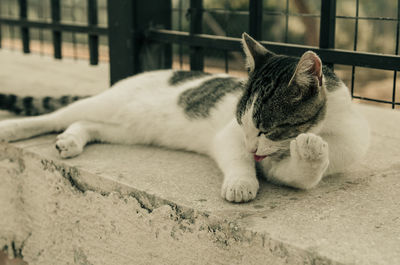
(68, 145)
(239, 189)
(310, 160)
(309, 147)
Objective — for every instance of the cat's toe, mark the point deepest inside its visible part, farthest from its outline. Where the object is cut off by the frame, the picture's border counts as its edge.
(239, 189)
(68, 146)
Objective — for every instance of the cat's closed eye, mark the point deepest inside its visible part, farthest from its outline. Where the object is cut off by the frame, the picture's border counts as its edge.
(259, 134)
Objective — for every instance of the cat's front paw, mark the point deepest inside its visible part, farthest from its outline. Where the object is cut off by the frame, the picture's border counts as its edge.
(309, 147)
(310, 160)
(239, 189)
(68, 145)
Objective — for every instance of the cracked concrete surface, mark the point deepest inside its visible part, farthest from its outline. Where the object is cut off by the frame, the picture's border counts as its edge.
(53, 222)
(148, 205)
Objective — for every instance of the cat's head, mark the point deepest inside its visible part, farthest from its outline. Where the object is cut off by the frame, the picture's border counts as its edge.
(284, 96)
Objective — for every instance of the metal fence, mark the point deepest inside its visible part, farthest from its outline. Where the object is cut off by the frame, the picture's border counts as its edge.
(55, 25)
(145, 35)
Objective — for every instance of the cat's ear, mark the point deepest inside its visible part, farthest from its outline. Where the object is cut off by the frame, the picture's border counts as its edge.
(254, 51)
(309, 69)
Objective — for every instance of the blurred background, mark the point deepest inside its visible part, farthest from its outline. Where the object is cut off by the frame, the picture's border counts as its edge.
(362, 25)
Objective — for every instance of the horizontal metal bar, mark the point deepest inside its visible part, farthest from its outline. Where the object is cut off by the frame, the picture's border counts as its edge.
(227, 12)
(246, 12)
(369, 18)
(280, 13)
(277, 13)
(335, 56)
(95, 30)
(291, 14)
(200, 40)
(377, 100)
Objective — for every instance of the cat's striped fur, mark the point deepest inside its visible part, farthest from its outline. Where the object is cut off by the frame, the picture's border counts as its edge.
(32, 106)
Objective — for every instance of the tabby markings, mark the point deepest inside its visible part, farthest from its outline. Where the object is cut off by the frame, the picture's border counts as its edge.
(179, 77)
(198, 101)
(31, 106)
(282, 111)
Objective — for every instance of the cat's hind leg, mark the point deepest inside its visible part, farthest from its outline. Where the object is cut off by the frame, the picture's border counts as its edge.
(72, 141)
(23, 128)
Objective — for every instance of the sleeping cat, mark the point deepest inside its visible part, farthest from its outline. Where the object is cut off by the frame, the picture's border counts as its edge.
(292, 116)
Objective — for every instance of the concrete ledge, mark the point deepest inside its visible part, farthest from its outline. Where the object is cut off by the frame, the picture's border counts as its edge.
(147, 205)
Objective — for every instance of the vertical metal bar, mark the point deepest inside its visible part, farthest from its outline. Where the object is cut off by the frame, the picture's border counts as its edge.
(255, 18)
(74, 42)
(226, 53)
(353, 68)
(396, 52)
(328, 25)
(128, 21)
(196, 21)
(165, 20)
(93, 39)
(40, 15)
(11, 34)
(1, 26)
(180, 29)
(56, 17)
(11, 28)
(23, 15)
(287, 21)
(121, 39)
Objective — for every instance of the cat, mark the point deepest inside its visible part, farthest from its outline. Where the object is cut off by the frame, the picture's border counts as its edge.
(293, 117)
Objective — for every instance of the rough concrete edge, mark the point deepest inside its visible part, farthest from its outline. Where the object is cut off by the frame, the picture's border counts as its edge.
(13, 247)
(149, 202)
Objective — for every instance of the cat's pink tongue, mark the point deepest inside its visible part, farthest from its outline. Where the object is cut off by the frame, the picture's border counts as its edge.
(259, 158)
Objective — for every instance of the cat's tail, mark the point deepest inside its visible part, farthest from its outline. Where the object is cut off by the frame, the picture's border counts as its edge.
(31, 106)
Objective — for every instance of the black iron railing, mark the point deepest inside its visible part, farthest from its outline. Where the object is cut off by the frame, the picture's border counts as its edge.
(140, 36)
(57, 28)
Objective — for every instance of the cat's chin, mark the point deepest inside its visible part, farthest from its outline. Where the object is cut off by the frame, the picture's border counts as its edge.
(259, 158)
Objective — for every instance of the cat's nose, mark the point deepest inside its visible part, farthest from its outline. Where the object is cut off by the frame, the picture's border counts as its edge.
(251, 146)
